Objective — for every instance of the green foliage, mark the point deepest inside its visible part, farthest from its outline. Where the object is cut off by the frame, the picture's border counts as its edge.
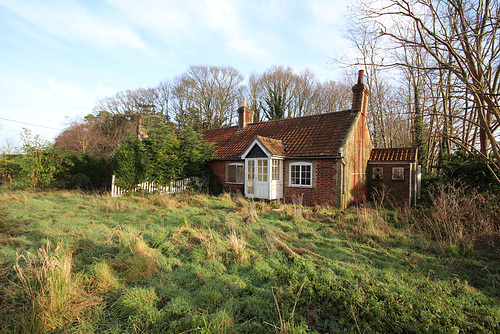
(419, 134)
(130, 163)
(86, 172)
(40, 163)
(162, 149)
(162, 157)
(9, 168)
(194, 152)
(467, 170)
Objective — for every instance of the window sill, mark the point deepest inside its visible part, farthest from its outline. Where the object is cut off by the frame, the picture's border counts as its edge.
(298, 186)
(236, 183)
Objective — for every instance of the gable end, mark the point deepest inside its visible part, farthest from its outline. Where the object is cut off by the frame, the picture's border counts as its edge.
(256, 152)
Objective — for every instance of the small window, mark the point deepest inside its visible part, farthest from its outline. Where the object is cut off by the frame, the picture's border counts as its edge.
(377, 173)
(276, 164)
(262, 170)
(235, 173)
(251, 177)
(301, 174)
(398, 173)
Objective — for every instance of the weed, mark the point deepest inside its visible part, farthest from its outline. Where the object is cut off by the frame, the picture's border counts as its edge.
(460, 217)
(136, 258)
(246, 208)
(104, 276)
(287, 326)
(238, 247)
(49, 294)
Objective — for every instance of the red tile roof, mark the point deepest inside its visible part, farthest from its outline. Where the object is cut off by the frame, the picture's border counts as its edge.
(394, 154)
(275, 146)
(308, 136)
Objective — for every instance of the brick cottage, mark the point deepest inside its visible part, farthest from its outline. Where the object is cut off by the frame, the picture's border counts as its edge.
(319, 159)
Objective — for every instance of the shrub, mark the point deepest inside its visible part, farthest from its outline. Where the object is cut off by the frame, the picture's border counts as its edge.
(468, 170)
(40, 164)
(87, 172)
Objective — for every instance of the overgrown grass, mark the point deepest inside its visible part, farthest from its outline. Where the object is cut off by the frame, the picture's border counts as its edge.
(191, 263)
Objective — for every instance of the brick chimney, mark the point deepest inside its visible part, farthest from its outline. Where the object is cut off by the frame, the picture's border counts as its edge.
(245, 115)
(360, 95)
(141, 134)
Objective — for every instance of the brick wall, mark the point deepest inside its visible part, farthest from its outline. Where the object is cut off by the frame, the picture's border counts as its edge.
(397, 190)
(326, 188)
(219, 180)
(357, 153)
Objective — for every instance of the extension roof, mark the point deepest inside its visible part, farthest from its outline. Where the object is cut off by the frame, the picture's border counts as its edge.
(394, 154)
(309, 136)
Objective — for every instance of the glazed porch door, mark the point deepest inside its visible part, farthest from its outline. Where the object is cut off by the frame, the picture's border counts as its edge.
(257, 178)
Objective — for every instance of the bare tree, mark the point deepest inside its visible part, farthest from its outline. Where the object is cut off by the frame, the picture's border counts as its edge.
(208, 93)
(334, 96)
(461, 37)
(388, 110)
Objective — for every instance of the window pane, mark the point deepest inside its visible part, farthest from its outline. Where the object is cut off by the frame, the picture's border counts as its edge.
(231, 173)
(251, 169)
(240, 174)
(250, 187)
(301, 174)
(276, 170)
(398, 173)
(377, 173)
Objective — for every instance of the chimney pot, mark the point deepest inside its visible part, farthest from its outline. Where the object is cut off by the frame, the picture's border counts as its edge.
(360, 95)
(361, 74)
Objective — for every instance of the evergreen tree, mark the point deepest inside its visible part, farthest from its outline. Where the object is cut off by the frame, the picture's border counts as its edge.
(130, 163)
(162, 149)
(162, 157)
(194, 152)
(419, 132)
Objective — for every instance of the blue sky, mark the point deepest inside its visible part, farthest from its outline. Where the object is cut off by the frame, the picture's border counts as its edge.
(57, 58)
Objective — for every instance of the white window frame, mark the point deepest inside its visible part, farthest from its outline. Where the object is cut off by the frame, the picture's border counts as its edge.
(300, 185)
(398, 173)
(241, 165)
(377, 173)
(276, 170)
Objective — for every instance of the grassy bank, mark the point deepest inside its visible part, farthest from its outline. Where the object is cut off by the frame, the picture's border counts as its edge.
(191, 263)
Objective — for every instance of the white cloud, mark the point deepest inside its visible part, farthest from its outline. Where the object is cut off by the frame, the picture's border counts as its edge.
(71, 21)
(164, 18)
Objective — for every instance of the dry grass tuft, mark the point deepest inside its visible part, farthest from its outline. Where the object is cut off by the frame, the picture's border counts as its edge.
(238, 246)
(14, 196)
(104, 277)
(51, 295)
(246, 209)
(191, 198)
(168, 201)
(370, 222)
(137, 259)
(276, 241)
(110, 204)
(461, 217)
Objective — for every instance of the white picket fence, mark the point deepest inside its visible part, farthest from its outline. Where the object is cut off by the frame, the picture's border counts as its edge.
(151, 187)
